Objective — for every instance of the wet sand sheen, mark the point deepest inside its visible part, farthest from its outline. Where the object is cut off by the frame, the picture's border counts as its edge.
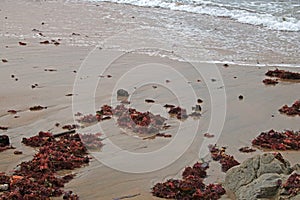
(245, 119)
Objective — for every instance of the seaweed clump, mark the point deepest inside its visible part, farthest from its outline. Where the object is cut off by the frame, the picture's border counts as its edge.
(292, 110)
(37, 178)
(191, 186)
(283, 74)
(286, 140)
(218, 154)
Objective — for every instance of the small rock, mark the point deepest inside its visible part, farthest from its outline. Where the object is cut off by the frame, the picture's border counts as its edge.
(4, 187)
(241, 97)
(18, 152)
(122, 93)
(4, 140)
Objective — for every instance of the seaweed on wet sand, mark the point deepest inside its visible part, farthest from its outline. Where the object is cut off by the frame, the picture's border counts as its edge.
(71, 126)
(37, 108)
(246, 149)
(138, 122)
(92, 141)
(291, 110)
(37, 178)
(90, 118)
(285, 140)
(191, 186)
(218, 154)
(283, 74)
(268, 81)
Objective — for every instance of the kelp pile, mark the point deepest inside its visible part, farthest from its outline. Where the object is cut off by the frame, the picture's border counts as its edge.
(191, 186)
(218, 154)
(282, 74)
(292, 110)
(37, 179)
(286, 140)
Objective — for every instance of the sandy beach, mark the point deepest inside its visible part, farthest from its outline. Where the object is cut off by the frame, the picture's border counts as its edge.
(56, 69)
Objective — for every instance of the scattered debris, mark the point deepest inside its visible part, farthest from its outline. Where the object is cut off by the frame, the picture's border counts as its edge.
(291, 111)
(37, 108)
(286, 140)
(18, 152)
(149, 101)
(268, 81)
(34, 85)
(4, 60)
(69, 95)
(246, 149)
(50, 70)
(77, 34)
(169, 106)
(12, 112)
(4, 128)
(180, 113)
(45, 42)
(191, 186)
(208, 135)
(282, 74)
(71, 127)
(22, 43)
(218, 154)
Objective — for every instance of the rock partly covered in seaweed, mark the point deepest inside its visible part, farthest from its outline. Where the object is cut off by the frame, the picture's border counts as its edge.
(286, 140)
(258, 177)
(292, 110)
(191, 186)
(283, 74)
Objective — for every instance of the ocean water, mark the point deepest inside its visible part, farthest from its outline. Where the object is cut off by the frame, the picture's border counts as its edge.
(244, 32)
(281, 15)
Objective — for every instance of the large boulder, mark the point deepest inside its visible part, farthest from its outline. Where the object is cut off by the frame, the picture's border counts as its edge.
(257, 177)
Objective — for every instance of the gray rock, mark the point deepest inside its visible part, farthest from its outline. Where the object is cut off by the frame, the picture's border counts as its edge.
(122, 93)
(4, 187)
(265, 186)
(257, 177)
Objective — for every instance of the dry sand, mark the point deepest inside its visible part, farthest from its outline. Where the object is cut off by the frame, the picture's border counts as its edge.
(245, 118)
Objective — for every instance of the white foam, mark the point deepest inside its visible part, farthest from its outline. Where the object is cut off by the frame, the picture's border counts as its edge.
(220, 10)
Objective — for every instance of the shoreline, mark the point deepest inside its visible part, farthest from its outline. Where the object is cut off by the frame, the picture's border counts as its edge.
(245, 119)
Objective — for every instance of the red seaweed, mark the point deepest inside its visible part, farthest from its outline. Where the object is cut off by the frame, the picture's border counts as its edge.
(292, 185)
(286, 140)
(268, 81)
(180, 113)
(292, 110)
(218, 154)
(191, 186)
(282, 74)
(246, 149)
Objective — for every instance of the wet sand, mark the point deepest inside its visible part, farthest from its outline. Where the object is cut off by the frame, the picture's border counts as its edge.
(245, 119)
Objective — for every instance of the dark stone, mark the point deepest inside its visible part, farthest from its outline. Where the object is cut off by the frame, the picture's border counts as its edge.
(4, 140)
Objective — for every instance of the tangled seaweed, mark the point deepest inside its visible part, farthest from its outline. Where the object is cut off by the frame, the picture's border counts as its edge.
(292, 185)
(37, 179)
(218, 154)
(286, 140)
(282, 74)
(138, 122)
(190, 187)
(268, 81)
(291, 111)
